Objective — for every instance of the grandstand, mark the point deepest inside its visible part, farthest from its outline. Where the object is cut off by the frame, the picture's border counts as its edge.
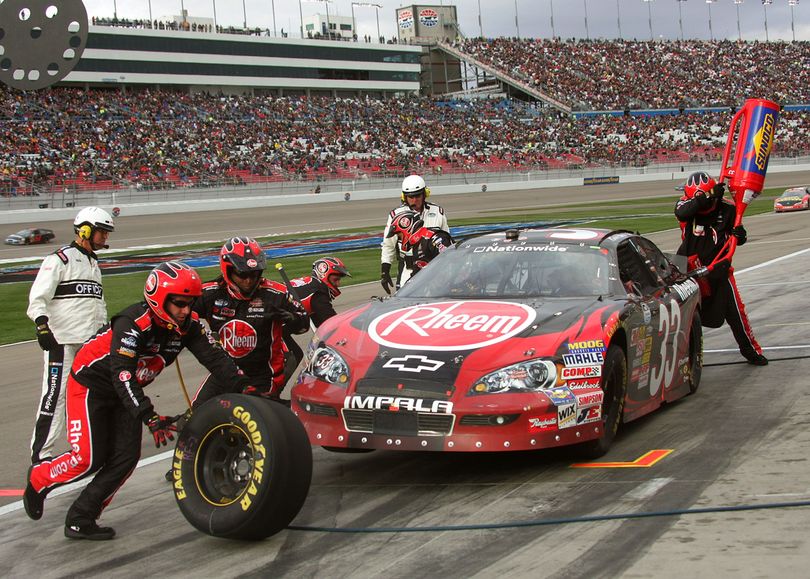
(159, 109)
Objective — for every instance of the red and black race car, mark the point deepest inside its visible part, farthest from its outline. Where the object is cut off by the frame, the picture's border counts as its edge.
(509, 341)
(30, 236)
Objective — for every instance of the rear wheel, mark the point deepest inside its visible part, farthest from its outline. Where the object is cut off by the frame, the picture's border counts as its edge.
(614, 386)
(242, 467)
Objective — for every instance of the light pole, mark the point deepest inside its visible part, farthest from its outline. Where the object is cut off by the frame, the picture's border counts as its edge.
(301, 16)
(517, 25)
(215, 14)
(150, 13)
(737, 6)
(115, 10)
(619, 19)
(711, 32)
(183, 13)
(369, 5)
(587, 33)
(480, 24)
(553, 33)
(680, 16)
(273, 7)
(792, 3)
(244, 15)
(649, 17)
(765, 8)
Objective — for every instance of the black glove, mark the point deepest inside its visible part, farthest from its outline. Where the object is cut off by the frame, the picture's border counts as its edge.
(161, 428)
(385, 278)
(740, 233)
(719, 271)
(718, 190)
(44, 334)
(703, 201)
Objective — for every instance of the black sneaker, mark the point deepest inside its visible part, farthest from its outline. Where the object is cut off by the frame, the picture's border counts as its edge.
(33, 501)
(170, 475)
(756, 359)
(90, 531)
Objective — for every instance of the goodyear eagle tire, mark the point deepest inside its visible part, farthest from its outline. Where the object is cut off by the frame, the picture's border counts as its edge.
(241, 468)
(614, 386)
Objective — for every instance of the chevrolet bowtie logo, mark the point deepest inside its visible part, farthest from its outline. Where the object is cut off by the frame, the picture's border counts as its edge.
(412, 363)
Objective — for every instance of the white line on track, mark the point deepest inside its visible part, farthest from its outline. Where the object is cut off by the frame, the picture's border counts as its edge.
(644, 491)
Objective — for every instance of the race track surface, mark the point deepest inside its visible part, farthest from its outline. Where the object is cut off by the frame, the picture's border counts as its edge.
(739, 442)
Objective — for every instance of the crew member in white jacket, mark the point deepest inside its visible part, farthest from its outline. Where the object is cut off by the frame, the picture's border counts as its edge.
(67, 305)
(414, 198)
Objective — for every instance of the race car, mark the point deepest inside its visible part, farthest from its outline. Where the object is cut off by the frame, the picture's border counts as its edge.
(510, 341)
(30, 236)
(793, 199)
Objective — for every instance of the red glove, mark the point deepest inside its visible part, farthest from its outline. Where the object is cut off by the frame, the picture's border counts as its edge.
(161, 428)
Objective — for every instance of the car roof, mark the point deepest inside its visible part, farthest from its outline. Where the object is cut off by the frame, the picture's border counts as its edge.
(557, 235)
(794, 190)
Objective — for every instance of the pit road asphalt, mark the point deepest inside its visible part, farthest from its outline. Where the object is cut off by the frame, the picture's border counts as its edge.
(742, 439)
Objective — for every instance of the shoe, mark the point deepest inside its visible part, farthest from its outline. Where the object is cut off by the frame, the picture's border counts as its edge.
(90, 531)
(170, 475)
(756, 359)
(33, 501)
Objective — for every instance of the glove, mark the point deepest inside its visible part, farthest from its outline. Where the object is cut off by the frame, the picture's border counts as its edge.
(718, 190)
(257, 391)
(44, 335)
(385, 278)
(161, 428)
(740, 233)
(703, 201)
(719, 271)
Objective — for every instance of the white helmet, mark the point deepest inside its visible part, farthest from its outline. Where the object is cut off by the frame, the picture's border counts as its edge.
(95, 217)
(413, 185)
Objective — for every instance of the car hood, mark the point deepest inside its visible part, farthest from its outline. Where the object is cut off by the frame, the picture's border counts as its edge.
(481, 334)
(14, 237)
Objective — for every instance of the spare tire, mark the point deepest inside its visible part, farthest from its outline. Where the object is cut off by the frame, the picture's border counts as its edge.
(242, 467)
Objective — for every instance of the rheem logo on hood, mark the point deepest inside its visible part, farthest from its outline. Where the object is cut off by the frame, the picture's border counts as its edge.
(448, 326)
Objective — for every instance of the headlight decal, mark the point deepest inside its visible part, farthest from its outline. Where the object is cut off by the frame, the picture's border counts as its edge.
(327, 365)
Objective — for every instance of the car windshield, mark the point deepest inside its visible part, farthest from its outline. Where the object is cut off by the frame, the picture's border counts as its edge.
(521, 271)
(24, 233)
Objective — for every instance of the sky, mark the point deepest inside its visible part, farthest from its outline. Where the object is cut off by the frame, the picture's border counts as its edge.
(498, 16)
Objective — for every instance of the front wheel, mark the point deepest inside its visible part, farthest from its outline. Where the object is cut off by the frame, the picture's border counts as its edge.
(242, 467)
(614, 386)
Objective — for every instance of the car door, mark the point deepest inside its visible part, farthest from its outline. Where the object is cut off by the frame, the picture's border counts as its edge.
(649, 364)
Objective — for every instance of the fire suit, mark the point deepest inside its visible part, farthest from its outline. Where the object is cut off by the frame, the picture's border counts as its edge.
(251, 332)
(106, 404)
(67, 290)
(433, 217)
(703, 236)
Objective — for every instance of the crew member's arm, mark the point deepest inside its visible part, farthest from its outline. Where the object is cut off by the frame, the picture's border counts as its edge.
(126, 339)
(48, 277)
(322, 308)
(210, 354)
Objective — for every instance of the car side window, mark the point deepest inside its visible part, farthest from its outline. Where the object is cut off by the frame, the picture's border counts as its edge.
(634, 273)
(655, 260)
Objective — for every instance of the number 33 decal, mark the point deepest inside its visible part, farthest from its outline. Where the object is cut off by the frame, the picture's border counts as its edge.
(669, 324)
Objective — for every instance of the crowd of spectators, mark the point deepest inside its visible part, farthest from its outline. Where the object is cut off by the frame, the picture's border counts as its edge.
(160, 138)
(620, 74)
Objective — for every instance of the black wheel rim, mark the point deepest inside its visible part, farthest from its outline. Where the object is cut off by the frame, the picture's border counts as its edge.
(224, 464)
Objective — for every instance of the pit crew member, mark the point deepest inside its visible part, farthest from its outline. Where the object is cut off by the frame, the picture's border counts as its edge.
(66, 302)
(707, 221)
(106, 403)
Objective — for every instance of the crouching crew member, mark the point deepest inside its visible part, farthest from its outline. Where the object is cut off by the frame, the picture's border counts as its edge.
(106, 404)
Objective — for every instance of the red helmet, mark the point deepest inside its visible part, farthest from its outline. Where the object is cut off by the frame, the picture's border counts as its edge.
(404, 225)
(243, 255)
(168, 279)
(326, 266)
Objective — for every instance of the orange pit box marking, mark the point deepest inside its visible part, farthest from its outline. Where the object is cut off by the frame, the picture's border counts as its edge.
(644, 461)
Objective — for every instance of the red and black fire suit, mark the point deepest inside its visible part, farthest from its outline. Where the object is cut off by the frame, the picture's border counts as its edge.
(316, 299)
(106, 404)
(251, 332)
(703, 233)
